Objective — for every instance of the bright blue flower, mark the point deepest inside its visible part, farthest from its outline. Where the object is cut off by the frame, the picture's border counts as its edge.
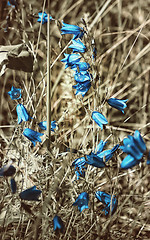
(22, 113)
(72, 29)
(94, 160)
(107, 154)
(15, 93)
(82, 201)
(100, 147)
(7, 171)
(43, 125)
(99, 119)
(30, 194)
(79, 165)
(129, 162)
(13, 185)
(32, 135)
(77, 46)
(82, 88)
(58, 223)
(82, 77)
(81, 66)
(118, 103)
(106, 200)
(45, 17)
(71, 59)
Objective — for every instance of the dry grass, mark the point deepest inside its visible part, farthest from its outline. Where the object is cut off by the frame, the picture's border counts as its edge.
(122, 33)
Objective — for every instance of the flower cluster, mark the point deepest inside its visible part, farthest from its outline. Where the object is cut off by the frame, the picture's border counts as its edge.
(81, 76)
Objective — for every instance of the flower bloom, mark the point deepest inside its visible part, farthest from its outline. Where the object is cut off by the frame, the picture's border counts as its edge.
(7, 171)
(94, 160)
(58, 223)
(72, 29)
(45, 17)
(79, 165)
(107, 154)
(43, 125)
(13, 185)
(82, 77)
(135, 147)
(81, 66)
(118, 103)
(108, 200)
(82, 201)
(100, 146)
(82, 88)
(30, 194)
(99, 119)
(22, 113)
(77, 46)
(32, 135)
(71, 59)
(148, 159)
(15, 93)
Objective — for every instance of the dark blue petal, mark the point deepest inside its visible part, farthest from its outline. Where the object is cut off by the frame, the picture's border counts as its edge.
(82, 201)
(139, 141)
(30, 194)
(7, 171)
(13, 185)
(43, 125)
(95, 160)
(58, 223)
(118, 103)
(106, 199)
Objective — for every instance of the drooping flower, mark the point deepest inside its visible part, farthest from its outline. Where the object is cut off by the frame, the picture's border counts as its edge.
(107, 154)
(22, 113)
(79, 165)
(58, 223)
(71, 59)
(77, 46)
(82, 88)
(82, 77)
(109, 201)
(15, 93)
(30, 194)
(99, 119)
(13, 185)
(118, 103)
(45, 17)
(7, 171)
(78, 32)
(43, 125)
(94, 160)
(82, 201)
(81, 66)
(135, 147)
(32, 135)
(100, 147)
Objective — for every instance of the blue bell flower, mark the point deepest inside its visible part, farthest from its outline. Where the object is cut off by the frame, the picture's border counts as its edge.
(94, 160)
(107, 154)
(82, 201)
(117, 103)
(79, 165)
(77, 32)
(13, 185)
(106, 200)
(32, 135)
(81, 66)
(22, 113)
(30, 194)
(82, 77)
(129, 162)
(82, 88)
(148, 159)
(100, 147)
(15, 93)
(58, 223)
(45, 17)
(7, 171)
(43, 125)
(77, 46)
(71, 59)
(99, 119)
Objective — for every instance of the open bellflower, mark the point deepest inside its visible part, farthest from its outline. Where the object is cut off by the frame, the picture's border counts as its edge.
(80, 66)
(7, 171)
(82, 77)
(79, 165)
(71, 59)
(99, 119)
(15, 93)
(22, 113)
(118, 103)
(45, 17)
(82, 201)
(82, 88)
(109, 201)
(43, 125)
(77, 46)
(135, 147)
(58, 223)
(32, 135)
(13, 185)
(72, 29)
(30, 194)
